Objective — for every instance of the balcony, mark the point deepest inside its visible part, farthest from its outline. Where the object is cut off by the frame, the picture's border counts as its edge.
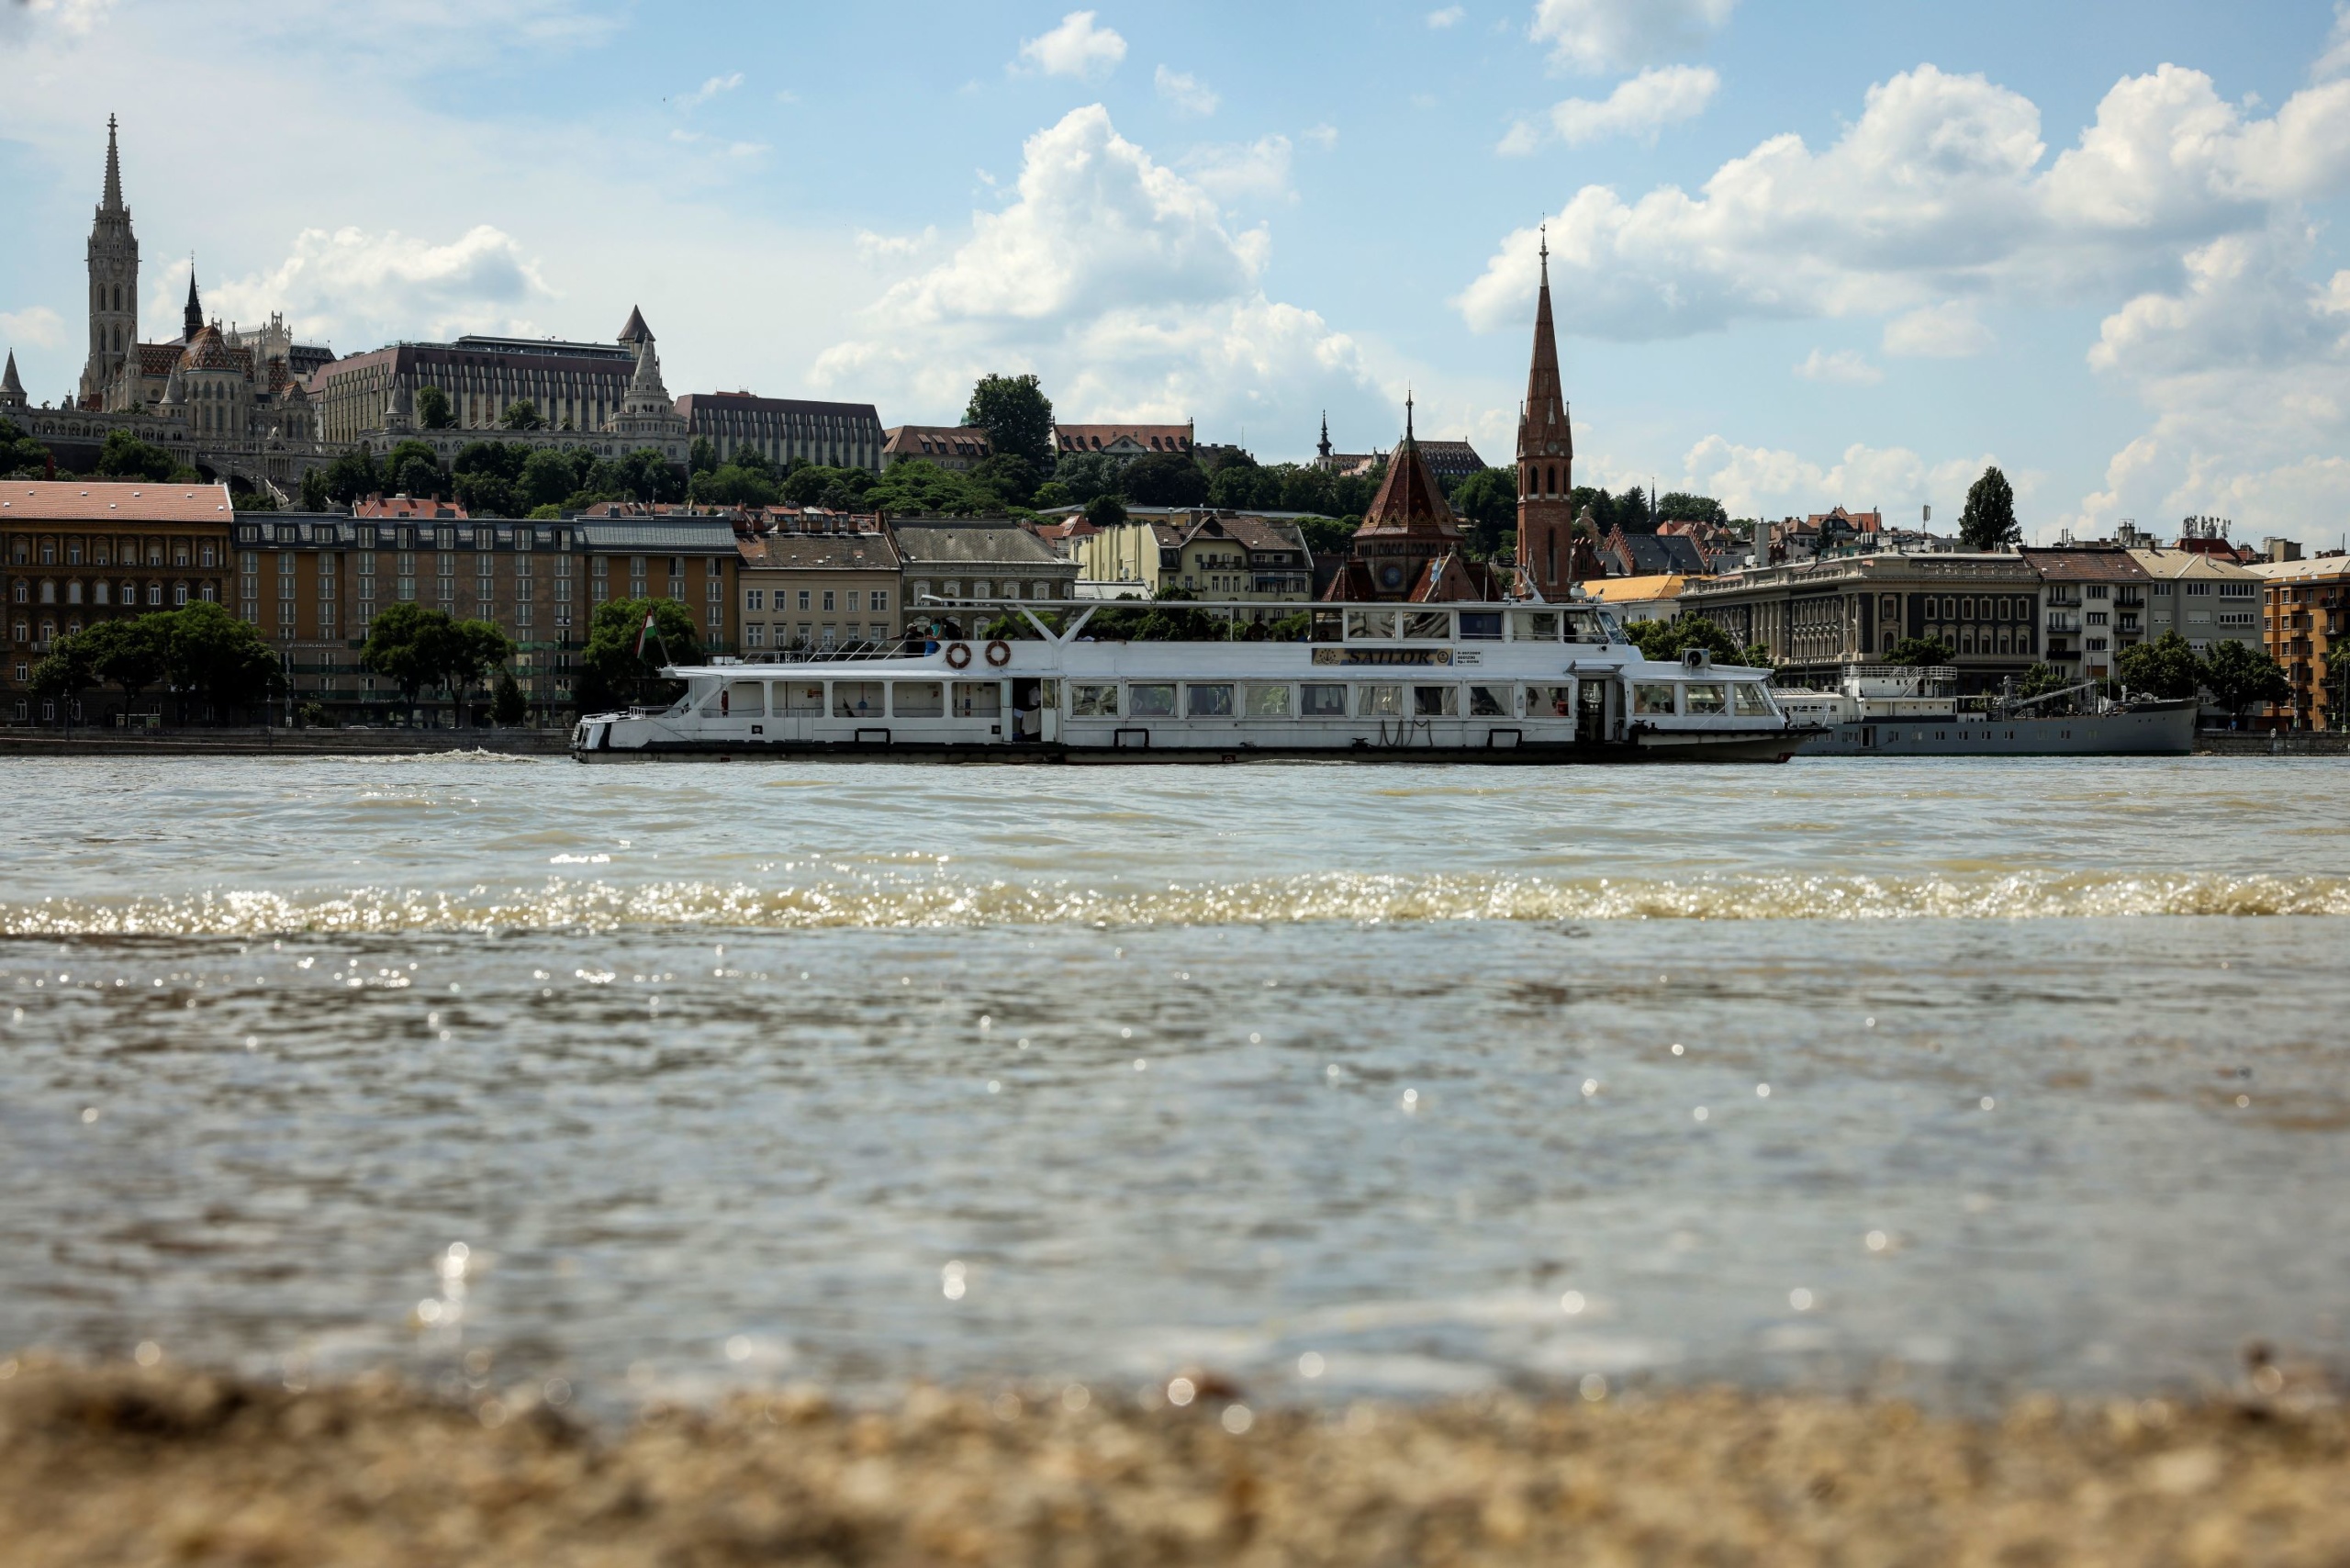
(2129, 623)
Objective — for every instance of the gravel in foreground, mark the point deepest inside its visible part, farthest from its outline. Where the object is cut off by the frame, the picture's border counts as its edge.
(151, 1466)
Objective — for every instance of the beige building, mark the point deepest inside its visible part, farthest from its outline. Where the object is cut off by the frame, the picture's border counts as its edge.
(956, 448)
(1206, 555)
(815, 590)
(955, 558)
(1819, 616)
(1654, 597)
(2205, 597)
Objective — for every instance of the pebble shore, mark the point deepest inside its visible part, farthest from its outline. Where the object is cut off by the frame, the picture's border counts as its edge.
(134, 1466)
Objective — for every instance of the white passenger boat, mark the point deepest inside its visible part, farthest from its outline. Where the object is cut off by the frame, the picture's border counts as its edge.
(1908, 711)
(1507, 682)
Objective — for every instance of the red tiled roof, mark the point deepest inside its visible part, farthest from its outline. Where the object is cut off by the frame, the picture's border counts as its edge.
(1094, 438)
(75, 501)
(1410, 500)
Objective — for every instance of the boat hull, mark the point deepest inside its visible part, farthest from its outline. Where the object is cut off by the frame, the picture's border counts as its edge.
(1716, 749)
(2153, 729)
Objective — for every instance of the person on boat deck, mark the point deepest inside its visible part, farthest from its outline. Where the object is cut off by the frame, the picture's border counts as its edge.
(1027, 722)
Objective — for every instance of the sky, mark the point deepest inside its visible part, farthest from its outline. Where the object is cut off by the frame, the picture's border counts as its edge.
(1801, 254)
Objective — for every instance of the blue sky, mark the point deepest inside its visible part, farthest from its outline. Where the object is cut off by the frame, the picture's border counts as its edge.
(1803, 254)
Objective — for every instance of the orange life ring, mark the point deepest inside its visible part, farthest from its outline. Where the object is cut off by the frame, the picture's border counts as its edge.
(958, 656)
(998, 653)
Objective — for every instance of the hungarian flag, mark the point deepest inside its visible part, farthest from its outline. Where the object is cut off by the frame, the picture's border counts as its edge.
(644, 636)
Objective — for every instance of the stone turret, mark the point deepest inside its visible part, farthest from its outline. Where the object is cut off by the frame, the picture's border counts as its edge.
(12, 391)
(647, 413)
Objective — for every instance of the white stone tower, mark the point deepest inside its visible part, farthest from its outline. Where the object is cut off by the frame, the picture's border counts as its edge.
(114, 283)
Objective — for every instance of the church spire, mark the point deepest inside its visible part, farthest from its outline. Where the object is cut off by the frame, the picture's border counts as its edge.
(113, 202)
(12, 390)
(192, 318)
(1546, 453)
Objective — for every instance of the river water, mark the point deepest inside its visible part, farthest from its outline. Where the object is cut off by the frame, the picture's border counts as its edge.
(1947, 1076)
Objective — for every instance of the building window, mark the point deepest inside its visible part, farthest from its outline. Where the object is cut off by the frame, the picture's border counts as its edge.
(755, 598)
(155, 593)
(880, 598)
(754, 635)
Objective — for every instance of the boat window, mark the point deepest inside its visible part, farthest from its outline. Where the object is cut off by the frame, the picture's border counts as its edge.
(920, 699)
(1704, 696)
(1327, 626)
(1435, 701)
(1210, 702)
(1550, 702)
(1363, 624)
(857, 699)
(1267, 701)
(1752, 701)
(1322, 701)
(1651, 697)
(1380, 703)
(1150, 702)
(747, 700)
(1428, 624)
(1093, 701)
(1586, 626)
(1535, 626)
(978, 699)
(802, 697)
(1481, 625)
(1489, 701)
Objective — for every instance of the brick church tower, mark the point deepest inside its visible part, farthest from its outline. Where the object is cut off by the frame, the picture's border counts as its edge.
(113, 261)
(1546, 462)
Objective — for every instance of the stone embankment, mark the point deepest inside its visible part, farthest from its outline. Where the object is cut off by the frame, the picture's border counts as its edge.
(2285, 743)
(279, 742)
(147, 1467)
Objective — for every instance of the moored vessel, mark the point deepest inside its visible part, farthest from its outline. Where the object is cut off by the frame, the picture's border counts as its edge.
(1915, 710)
(1500, 682)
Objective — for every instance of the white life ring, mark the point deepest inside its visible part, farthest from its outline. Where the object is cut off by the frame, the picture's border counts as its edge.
(958, 656)
(998, 653)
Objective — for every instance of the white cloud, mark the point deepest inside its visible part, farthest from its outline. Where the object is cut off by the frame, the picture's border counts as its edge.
(1845, 367)
(33, 324)
(1951, 331)
(1238, 172)
(1935, 193)
(1120, 281)
(1187, 94)
(2336, 58)
(1325, 135)
(711, 89)
(1654, 98)
(1619, 34)
(1449, 16)
(1754, 481)
(357, 287)
(1077, 47)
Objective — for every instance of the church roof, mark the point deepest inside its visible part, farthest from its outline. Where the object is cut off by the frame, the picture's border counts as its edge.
(636, 330)
(1543, 429)
(208, 350)
(1410, 502)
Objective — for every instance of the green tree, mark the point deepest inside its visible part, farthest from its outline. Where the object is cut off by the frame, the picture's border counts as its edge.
(132, 654)
(1016, 415)
(2241, 675)
(125, 456)
(1165, 479)
(485, 474)
(463, 652)
(64, 674)
(399, 647)
(1681, 506)
(2165, 668)
(352, 477)
(701, 457)
(507, 706)
(1009, 475)
(1671, 639)
(413, 468)
(1487, 502)
(313, 490)
(646, 476)
(1085, 475)
(522, 415)
(1918, 650)
(221, 658)
(1990, 521)
(548, 477)
(1105, 511)
(732, 485)
(22, 457)
(432, 409)
(2041, 679)
(611, 672)
(1329, 535)
(251, 500)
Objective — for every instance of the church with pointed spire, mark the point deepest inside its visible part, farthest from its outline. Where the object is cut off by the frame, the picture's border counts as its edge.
(1550, 555)
(1408, 550)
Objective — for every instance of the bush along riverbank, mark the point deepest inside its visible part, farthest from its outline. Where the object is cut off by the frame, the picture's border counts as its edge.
(150, 1465)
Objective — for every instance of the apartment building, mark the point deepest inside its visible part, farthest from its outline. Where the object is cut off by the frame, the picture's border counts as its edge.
(804, 592)
(2303, 618)
(76, 552)
(2095, 597)
(1206, 555)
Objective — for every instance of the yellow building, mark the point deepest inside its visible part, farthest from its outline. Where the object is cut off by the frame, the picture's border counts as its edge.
(1206, 555)
(816, 590)
(1654, 597)
(2302, 618)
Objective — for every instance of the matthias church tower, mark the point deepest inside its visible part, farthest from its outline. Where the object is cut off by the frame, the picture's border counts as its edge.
(114, 284)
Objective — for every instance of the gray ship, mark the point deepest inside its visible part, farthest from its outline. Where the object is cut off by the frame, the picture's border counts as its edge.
(1906, 710)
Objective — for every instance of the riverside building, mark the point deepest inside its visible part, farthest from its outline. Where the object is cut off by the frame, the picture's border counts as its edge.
(836, 584)
(1208, 554)
(953, 557)
(2303, 610)
(74, 552)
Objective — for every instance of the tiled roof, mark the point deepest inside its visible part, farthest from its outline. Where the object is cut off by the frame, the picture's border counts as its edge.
(2090, 564)
(821, 552)
(1637, 590)
(957, 543)
(1094, 438)
(936, 441)
(711, 533)
(1451, 456)
(707, 406)
(64, 500)
(2188, 563)
(1410, 500)
(2271, 571)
